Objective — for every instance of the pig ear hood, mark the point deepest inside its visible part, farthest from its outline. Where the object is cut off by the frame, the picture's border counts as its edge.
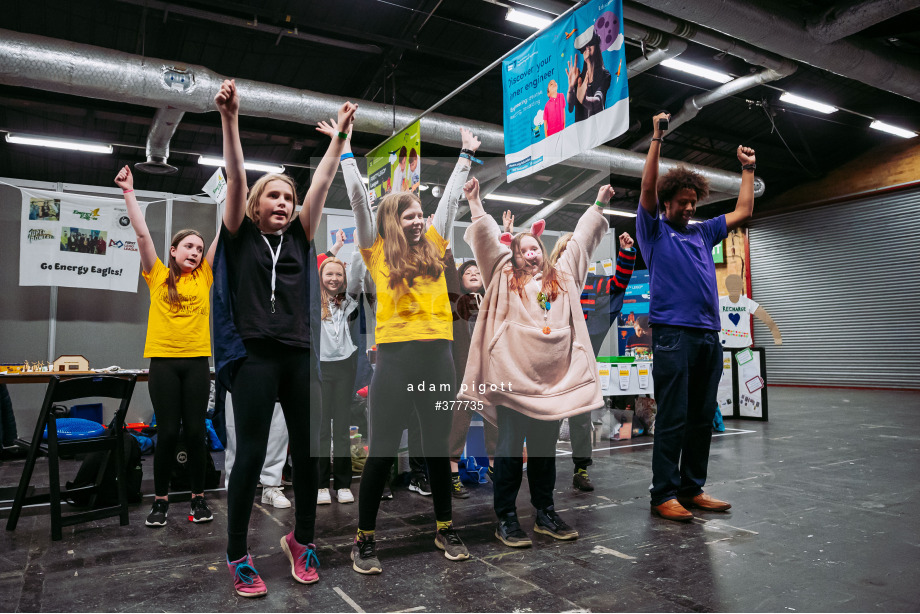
(506, 238)
(538, 227)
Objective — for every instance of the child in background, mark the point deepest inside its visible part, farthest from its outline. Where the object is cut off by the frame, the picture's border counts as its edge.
(178, 346)
(531, 341)
(601, 302)
(268, 343)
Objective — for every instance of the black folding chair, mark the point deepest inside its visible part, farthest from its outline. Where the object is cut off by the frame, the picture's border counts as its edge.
(113, 440)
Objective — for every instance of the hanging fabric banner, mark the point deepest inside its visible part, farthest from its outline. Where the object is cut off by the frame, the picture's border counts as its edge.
(77, 242)
(395, 165)
(565, 92)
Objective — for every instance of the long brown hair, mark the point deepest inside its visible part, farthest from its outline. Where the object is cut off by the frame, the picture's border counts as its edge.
(518, 278)
(406, 262)
(324, 293)
(255, 193)
(175, 271)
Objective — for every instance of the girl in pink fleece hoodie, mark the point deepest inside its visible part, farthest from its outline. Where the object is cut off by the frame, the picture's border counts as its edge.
(530, 361)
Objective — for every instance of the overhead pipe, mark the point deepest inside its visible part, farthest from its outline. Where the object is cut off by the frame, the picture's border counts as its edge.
(781, 30)
(695, 104)
(165, 122)
(568, 196)
(841, 21)
(28, 60)
(668, 48)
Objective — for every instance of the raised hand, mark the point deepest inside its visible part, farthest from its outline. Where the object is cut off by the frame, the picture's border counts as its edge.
(471, 189)
(346, 116)
(227, 98)
(571, 72)
(470, 141)
(746, 155)
(328, 128)
(124, 179)
(508, 221)
(339, 238)
(658, 133)
(626, 241)
(605, 193)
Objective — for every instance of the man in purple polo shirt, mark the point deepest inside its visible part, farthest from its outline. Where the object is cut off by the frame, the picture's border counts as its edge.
(684, 314)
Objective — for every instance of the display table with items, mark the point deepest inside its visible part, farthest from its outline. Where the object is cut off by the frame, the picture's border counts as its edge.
(743, 387)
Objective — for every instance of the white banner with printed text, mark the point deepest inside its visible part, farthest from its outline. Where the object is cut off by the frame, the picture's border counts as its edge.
(77, 242)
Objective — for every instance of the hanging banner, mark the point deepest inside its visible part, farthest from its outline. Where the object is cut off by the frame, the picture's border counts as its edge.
(565, 93)
(395, 165)
(77, 242)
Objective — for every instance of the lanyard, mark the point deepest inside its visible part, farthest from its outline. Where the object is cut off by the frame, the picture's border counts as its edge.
(275, 255)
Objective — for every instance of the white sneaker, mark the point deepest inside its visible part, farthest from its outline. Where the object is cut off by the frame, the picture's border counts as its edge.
(344, 495)
(322, 497)
(273, 496)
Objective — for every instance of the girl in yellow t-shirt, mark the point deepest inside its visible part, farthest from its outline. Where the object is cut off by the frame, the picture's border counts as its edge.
(414, 378)
(178, 346)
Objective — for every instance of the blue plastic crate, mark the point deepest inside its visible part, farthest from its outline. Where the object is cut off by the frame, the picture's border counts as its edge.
(88, 411)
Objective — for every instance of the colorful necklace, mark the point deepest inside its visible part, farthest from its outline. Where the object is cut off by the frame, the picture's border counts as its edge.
(545, 305)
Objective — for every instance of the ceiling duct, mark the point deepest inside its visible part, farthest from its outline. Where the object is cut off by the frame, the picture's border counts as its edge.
(164, 125)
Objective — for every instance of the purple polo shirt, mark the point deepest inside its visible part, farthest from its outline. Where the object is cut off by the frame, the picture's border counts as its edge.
(681, 271)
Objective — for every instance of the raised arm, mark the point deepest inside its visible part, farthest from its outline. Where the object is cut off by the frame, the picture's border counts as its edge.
(588, 233)
(228, 104)
(744, 208)
(356, 274)
(648, 197)
(312, 210)
(339, 242)
(358, 197)
(447, 207)
(482, 236)
(125, 181)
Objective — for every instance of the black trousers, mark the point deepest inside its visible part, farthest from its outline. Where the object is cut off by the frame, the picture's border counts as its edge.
(392, 404)
(541, 435)
(179, 390)
(273, 370)
(338, 382)
(580, 436)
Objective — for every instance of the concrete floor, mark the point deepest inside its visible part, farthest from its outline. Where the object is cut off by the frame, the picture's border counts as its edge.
(821, 522)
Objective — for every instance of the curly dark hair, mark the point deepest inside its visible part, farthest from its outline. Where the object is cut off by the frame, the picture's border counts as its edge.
(679, 178)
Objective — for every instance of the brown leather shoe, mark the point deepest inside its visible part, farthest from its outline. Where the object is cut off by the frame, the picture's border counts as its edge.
(672, 510)
(705, 502)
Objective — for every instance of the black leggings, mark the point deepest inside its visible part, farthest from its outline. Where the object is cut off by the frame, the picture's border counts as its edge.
(391, 406)
(338, 384)
(179, 389)
(273, 370)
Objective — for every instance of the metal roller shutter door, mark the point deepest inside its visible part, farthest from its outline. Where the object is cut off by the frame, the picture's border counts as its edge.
(842, 282)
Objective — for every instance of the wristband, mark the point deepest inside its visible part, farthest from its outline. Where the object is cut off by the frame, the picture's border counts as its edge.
(126, 191)
(471, 158)
(600, 204)
(343, 136)
(748, 167)
(658, 138)
(468, 151)
(345, 156)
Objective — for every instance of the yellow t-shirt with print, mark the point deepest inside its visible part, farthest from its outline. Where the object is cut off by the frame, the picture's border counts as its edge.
(409, 314)
(182, 334)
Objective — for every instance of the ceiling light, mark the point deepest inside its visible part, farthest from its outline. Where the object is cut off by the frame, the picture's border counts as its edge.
(620, 213)
(526, 18)
(42, 141)
(907, 134)
(699, 71)
(521, 200)
(265, 167)
(808, 103)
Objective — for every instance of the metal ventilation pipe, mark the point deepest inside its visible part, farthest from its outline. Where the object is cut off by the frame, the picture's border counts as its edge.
(839, 22)
(28, 60)
(668, 48)
(781, 31)
(164, 125)
(694, 104)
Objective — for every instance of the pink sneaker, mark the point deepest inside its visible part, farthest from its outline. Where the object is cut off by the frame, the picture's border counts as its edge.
(303, 559)
(246, 580)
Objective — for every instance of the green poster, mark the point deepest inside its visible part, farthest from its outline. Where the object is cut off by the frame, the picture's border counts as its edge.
(718, 256)
(395, 165)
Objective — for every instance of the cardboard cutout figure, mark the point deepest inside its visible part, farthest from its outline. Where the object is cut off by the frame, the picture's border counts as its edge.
(735, 311)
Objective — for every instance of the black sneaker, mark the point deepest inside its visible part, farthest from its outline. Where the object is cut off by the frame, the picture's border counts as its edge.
(510, 533)
(200, 511)
(458, 490)
(419, 483)
(387, 493)
(581, 481)
(549, 523)
(157, 515)
(448, 541)
(364, 555)
(491, 474)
